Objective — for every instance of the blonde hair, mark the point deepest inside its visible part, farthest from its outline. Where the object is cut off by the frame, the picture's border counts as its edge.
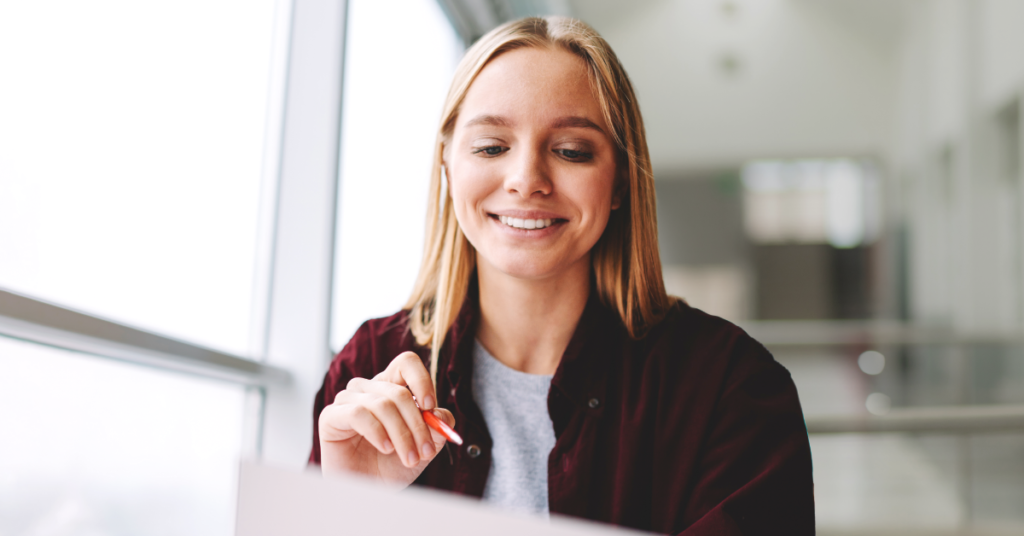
(625, 260)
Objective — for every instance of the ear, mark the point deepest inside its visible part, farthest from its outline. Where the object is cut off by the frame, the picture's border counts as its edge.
(444, 167)
(617, 194)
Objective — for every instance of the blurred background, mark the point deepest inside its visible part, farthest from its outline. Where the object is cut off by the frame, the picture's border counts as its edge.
(200, 201)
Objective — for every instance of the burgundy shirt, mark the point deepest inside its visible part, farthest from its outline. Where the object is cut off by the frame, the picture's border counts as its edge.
(694, 429)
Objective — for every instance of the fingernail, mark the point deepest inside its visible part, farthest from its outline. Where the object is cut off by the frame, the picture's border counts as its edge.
(428, 402)
(413, 458)
(388, 446)
(428, 450)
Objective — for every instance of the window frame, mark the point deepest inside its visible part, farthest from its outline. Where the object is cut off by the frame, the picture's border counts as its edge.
(289, 346)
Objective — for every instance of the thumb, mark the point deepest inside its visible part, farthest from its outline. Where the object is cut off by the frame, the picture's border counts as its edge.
(445, 416)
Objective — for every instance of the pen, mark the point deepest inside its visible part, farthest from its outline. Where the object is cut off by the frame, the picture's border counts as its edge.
(441, 427)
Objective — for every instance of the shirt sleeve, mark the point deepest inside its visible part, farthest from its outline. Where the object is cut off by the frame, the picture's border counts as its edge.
(754, 475)
(353, 361)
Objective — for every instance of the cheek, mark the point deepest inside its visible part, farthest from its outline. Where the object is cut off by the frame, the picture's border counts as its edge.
(601, 198)
(467, 189)
(602, 201)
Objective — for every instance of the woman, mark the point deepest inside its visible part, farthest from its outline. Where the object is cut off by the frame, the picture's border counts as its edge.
(539, 327)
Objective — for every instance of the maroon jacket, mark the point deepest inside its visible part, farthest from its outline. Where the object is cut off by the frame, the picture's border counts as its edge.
(694, 429)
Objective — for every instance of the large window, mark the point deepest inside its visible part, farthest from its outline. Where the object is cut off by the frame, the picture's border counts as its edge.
(132, 140)
(137, 148)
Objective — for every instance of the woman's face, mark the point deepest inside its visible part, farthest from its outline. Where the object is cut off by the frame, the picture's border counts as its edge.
(531, 166)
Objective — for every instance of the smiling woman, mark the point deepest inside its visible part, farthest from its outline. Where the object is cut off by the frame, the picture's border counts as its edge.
(550, 163)
(540, 330)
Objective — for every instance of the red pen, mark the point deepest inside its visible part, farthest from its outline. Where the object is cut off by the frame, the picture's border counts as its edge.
(441, 427)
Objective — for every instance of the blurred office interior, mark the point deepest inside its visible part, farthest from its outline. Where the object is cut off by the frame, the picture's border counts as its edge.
(200, 201)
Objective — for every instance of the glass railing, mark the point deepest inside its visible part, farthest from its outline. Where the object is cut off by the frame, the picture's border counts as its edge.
(913, 429)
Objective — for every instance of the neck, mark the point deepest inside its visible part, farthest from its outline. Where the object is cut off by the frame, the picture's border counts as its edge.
(527, 324)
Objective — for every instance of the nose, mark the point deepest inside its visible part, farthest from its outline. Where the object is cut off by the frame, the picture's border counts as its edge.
(528, 175)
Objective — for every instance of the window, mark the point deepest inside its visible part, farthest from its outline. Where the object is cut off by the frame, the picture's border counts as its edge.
(100, 447)
(811, 202)
(136, 142)
(133, 139)
(398, 65)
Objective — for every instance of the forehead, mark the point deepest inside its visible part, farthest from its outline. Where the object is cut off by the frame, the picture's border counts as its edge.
(532, 84)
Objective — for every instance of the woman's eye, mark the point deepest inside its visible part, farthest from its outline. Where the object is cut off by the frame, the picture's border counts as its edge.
(577, 156)
(493, 150)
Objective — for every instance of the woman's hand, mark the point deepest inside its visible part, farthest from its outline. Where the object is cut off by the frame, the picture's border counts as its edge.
(374, 427)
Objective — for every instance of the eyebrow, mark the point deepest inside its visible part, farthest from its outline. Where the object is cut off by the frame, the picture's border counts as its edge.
(576, 122)
(492, 120)
(562, 122)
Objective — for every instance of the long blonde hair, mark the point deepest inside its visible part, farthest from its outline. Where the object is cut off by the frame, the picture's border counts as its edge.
(625, 261)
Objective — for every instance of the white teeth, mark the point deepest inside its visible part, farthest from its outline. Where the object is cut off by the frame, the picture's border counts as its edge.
(520, 223)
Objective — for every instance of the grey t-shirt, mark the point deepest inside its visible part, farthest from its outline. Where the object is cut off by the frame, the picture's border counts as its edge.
(515, 408)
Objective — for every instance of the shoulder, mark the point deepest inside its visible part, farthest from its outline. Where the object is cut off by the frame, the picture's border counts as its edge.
(374, 345)
(686, 330)
(727, 417)
(691, 346)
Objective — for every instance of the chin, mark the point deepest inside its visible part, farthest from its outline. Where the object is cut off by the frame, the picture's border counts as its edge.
(530, 267)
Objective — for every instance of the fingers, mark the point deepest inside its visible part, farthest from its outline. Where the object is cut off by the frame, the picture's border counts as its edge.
(393, 407)
(383, 411)
(407, 369)
(340, 421)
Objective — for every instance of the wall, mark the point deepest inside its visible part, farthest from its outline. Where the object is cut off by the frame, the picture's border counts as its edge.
(958, 160)
(704, 251)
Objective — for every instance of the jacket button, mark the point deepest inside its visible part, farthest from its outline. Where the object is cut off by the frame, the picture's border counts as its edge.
(594, 403)
(473, 451)
(453, 392)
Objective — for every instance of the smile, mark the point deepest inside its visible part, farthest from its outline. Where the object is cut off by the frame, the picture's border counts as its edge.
(520, 223)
